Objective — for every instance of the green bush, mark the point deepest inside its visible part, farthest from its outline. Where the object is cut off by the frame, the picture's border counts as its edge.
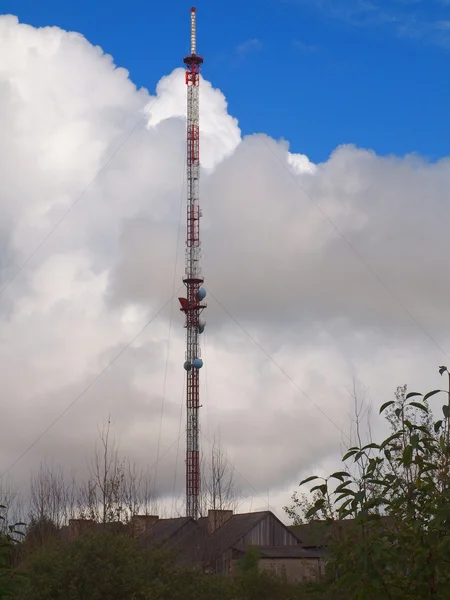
(398, 494)
(10, 578)
(109, 566)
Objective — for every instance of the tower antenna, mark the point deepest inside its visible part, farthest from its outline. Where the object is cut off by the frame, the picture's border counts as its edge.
(193, 305)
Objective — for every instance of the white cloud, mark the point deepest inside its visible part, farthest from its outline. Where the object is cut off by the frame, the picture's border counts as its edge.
(270, 256)
(250, 45)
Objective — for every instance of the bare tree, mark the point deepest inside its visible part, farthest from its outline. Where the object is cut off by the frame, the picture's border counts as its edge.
(50, 495)
(48, 505)
(11, 500)
(220, 491)
(138, 490)
(118, 488)
(103, 494)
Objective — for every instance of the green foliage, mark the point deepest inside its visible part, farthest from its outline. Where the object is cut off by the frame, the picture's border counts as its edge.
(249, 563)
(111, 566)
(10, 579)
(39, 533)
(263, 585)
(397, 545)
(92, 567)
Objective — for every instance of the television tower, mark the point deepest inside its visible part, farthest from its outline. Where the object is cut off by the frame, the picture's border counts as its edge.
(192, 306)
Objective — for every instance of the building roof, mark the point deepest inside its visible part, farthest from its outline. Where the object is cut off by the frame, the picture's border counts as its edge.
(283, 552)
(311, 534)
(164, 529)
(317, 533)
(91, 526)
(229, 534)
(191, 549)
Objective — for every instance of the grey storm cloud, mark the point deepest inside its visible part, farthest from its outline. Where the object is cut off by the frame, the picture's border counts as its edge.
(318, 274)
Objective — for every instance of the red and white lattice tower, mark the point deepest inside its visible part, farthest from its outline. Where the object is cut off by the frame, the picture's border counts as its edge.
(192, 306)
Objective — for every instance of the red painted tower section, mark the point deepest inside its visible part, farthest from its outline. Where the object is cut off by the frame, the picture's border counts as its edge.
(192, 306)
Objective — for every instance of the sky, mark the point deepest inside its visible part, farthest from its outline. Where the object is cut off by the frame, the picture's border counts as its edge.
(325, 243)
(316, 72)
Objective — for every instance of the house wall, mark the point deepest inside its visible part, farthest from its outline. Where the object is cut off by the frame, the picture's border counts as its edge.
(269, 532)
(294, 569)
(79, 526)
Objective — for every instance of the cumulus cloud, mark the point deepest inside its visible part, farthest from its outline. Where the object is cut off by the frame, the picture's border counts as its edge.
(318, 274)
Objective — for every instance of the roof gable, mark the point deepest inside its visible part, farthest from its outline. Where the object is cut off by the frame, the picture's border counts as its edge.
(259, 529)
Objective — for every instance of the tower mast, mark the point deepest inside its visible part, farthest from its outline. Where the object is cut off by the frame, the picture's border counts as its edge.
(192, 306)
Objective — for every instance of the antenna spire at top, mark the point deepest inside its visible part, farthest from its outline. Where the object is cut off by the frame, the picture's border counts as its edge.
(193, 32)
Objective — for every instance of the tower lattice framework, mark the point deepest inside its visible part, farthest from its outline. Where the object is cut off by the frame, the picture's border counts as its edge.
(192, 306)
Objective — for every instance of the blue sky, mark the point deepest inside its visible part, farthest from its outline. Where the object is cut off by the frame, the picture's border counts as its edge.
(372, 73)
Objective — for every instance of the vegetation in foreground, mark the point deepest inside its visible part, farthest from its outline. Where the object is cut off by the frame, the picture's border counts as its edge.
(398, 493)
(112, 566)
(397, 547)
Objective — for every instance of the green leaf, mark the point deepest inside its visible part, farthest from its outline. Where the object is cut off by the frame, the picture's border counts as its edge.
(323, 488)
(437, 425)
(415, 440)
(341, 487)
(379, 482)
(422, 406)
(391, 438)
(421, 428)
(412, 394)
(314, 509)
(347, 491)
(373, 503)
(308, 479)
(349, 454)
(431, 394)
(409, 425)
(386, 405)
(446, 411)
(345, 504)
(341, 475)
(359, 496)
(407, 455)
(442, 370)
(371, 445)
(341, 497)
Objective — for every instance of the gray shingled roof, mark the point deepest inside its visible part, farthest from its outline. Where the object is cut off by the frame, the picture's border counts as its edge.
(163, 530)
(317, 533)
(311, 534)
(191, 549)
(283, 552)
